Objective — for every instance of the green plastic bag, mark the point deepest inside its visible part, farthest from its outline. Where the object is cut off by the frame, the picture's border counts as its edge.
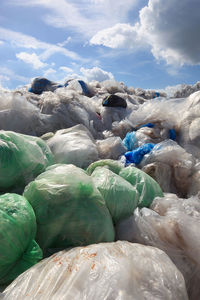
(113, 165)
(69, 209)
(120, 196)
(146, 186)
(22, 158)
(18, 249)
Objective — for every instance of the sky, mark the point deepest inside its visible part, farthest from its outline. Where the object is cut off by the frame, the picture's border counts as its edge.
(148, 44)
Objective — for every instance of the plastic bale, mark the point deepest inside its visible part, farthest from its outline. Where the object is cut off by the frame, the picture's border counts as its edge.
(146, 186)
(69, 210)
(113, 165)
(108, 271)
(18, 249)
(22, 158)
(120, 196)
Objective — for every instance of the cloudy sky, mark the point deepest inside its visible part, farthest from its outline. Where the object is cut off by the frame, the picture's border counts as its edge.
(147, 44)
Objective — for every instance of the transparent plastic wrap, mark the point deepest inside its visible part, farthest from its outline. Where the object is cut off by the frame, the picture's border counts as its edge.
(110, 148)
(18, 249)
(22, 158)
(69, 109)
(172, 224)
(109, 271)
(113, 165)
(181, 162)
(69, 210)
(120, 196)
(75, 146)
(146, 186)
(112, 86)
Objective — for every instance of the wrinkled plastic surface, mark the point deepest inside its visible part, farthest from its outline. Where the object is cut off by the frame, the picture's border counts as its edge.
(18, 249)
(113, 165)
(111, 148)
(111, 271)
(69, 210)
(137, 155)
(130, 141)
(172, 224)
(120, 196)
(146, 186)
(22, 158)
(74, 146)
(114, 101)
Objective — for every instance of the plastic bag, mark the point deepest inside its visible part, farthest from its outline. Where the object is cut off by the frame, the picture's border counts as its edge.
(109, 271)
(114, 101)
(110, 148)
(22, 158)
(130, 141)
(137, 155)
(40, 85)
(173, 226)
(18, 249)
(74, 146)
(69, 210)
(146, 186)
(120, 196)
(113, 165)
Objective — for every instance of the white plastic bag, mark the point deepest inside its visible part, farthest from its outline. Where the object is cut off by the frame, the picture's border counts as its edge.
(109, 271)
(74, 145)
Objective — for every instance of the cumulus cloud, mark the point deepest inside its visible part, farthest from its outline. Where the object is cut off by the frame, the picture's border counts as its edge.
(31, 59)
(118, 36)
(96, 74)
(171, 29)
(49, 72)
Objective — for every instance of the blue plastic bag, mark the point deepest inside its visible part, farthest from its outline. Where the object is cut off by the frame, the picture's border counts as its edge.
(150, 125)
(172, 134)
(40, 85)
(130, 141)
(137, 155)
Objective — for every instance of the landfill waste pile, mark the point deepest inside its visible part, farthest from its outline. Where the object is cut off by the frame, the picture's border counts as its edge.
(100, 192)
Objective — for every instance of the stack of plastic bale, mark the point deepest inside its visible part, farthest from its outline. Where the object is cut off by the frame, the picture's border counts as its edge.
(186, 90)
(172, 225)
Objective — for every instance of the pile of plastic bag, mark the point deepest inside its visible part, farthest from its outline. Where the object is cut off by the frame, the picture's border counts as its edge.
(99, 188)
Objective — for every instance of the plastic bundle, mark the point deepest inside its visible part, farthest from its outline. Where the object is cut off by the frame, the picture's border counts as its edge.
(111, 271)
(172, 224)
(69, 209)
(22, 158)
(74, 146)
(113, 165)
(18, 249)
(111, 148)
(120, 196)
(130, 141)
(146, 186)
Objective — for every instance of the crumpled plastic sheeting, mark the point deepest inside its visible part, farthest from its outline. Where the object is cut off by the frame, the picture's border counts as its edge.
(114, 271)
(74, 145)
(180, 161)
(172, 224)
(187, 90)
(110, 148)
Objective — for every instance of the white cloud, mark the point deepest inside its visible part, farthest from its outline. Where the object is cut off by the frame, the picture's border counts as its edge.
(171, 29)
(1, 43)
(118, 36)
(31, 59)
(86, 16)
(64, 43)
(66, 69)
(49, 72)
(96, 74)
(20, 40)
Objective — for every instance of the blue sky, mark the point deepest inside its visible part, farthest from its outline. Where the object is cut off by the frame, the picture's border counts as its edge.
(147, 44)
